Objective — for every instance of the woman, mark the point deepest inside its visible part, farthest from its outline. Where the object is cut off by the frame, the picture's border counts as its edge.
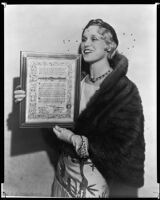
(103, 155)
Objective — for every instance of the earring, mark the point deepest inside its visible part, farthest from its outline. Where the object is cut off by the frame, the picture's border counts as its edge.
(106, 49)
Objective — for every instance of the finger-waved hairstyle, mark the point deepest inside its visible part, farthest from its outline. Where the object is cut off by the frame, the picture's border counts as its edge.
(108, 33)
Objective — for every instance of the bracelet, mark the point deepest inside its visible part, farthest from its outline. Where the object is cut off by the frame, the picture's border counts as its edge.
(83, 150)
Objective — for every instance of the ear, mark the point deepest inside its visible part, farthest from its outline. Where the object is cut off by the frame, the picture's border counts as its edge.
(108, 48)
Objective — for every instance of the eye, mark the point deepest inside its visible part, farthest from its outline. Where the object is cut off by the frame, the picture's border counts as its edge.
(94, 39)
(84, 39)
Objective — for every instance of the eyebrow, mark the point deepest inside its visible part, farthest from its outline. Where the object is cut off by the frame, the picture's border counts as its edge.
(97, 36)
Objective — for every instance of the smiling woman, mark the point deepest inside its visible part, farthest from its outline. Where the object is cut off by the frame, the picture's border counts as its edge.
(110, 121)
(93, 45)
(103, 155)
(102, 36)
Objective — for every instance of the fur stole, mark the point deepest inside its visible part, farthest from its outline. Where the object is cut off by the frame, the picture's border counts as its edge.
(113, 122)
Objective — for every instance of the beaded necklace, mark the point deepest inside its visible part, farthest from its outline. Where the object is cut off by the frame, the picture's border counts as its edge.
(100, 77)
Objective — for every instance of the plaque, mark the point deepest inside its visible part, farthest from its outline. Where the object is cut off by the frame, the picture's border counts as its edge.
(52, 86)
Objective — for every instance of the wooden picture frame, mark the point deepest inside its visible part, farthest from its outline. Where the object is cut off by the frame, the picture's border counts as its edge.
(52, 86)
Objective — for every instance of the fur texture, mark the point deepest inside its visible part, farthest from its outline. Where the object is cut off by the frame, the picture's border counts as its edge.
(113, 122)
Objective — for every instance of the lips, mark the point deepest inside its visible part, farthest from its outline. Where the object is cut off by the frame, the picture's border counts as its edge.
(86, 51)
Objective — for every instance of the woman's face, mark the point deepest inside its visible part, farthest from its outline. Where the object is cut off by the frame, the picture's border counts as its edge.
(93, 45)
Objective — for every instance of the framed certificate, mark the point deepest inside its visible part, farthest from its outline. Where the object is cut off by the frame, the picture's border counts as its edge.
(52, 86)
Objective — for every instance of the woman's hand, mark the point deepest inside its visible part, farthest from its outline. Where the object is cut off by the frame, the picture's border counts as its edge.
(63, 133)
(19, 94)
(80, 143)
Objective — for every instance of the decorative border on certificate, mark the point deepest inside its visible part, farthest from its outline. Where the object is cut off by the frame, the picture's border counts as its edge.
(52, 85)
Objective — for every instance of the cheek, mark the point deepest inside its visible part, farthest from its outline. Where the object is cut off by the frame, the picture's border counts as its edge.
(104, 46)
(101, 49)
(101, 46)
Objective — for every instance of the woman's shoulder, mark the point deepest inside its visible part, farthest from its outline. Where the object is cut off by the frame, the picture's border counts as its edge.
(127, 88)
(127, 81)
(131, 82)
(132, 89)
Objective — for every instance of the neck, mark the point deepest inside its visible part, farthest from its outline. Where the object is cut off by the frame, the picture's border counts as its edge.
(99, 68)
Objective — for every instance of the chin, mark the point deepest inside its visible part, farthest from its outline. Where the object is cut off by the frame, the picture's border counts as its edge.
(88, 58)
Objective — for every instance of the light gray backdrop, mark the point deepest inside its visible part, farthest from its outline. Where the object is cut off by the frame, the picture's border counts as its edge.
(57, 29)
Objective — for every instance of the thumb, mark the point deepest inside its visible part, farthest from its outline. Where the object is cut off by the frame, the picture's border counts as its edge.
(56, 132)
(18, 87)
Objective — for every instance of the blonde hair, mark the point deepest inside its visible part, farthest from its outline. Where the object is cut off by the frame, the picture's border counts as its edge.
(108, 33)
(108, 38)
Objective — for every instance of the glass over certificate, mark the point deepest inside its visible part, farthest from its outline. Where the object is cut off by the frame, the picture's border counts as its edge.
(52, 85)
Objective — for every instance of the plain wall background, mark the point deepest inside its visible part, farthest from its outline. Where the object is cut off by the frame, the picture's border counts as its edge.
(30, 154)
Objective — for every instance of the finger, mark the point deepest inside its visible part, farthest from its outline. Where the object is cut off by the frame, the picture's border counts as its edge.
(61, 129)
(19, 96)
(56, 132)
(18, 100)
(58, 128)
(19, 92)
(18, 87)
(77, 148)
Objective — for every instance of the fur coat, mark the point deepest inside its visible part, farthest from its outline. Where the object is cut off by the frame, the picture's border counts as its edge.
(113, 122)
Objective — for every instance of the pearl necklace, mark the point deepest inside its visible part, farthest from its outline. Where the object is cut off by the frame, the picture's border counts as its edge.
(100, 77)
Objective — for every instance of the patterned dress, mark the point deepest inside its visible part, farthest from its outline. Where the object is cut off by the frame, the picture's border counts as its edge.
(79, 178)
